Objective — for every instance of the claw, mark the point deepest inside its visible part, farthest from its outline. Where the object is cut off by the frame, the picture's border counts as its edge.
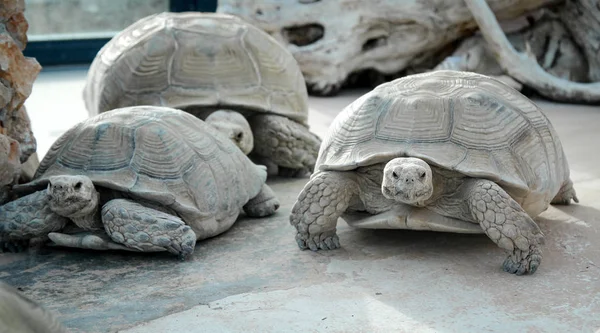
(533, 266)
(301, 242)
(312, 245)
(331, 243)
(318, 242)
(328, 242)
(520, 263)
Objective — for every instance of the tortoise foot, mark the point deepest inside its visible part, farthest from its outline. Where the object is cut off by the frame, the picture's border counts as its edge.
(324, 241)
(523, 262)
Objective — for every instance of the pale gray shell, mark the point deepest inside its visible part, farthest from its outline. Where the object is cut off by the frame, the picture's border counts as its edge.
(196, 59)
(158, 154)
(461, 121)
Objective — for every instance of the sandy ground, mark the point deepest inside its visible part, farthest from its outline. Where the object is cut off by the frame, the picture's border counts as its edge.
(255, 279)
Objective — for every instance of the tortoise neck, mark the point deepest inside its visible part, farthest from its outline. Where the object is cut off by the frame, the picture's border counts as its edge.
(444, 182)
(89, 217)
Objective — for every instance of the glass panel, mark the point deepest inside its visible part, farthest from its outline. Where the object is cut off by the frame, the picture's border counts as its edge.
(80, 19)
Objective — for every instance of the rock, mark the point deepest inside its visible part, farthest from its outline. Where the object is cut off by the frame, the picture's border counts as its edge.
(18, 127)
(10, 166)
(17, 74)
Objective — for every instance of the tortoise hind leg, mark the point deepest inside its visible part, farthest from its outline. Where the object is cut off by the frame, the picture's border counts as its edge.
(287, 143)
(147, 229)
(565, 195)
(263, 204)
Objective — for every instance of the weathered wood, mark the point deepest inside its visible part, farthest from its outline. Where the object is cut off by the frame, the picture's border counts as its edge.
(334, 38)
(523, 66)
(582, 19)
(549, 41)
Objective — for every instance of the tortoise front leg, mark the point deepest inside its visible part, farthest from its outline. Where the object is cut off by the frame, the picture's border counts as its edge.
(502, 219)
(26, 218)
(147, 229)
(319, 205)
(288, 144)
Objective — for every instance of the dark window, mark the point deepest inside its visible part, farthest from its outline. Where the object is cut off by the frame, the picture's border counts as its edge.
(73, 31)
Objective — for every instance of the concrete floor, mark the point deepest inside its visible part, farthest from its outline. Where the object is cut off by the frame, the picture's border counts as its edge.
(255, 279)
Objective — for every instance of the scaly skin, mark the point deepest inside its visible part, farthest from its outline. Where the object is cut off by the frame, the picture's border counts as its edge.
(506, 224)
(322, 201)
(565, 195)
(26, 218)
(285, 142)
(146, 229)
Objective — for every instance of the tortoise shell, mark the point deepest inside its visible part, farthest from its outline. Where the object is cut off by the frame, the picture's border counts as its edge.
(460, 121)
(159, 154)
(196, 59)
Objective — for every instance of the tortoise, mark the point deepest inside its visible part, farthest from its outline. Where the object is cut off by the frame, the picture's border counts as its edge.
(444, 151)
(18, 313)
(205, 63)
(143, 178)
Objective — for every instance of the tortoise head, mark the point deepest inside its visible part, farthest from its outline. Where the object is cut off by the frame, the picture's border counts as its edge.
(407, 180)
(234, 126)
(72, 196)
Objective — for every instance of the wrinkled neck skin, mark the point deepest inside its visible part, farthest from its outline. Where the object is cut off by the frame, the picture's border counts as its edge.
(89, 218)
(445, 182)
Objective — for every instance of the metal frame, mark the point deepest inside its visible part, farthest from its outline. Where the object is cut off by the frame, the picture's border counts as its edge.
(83, 51)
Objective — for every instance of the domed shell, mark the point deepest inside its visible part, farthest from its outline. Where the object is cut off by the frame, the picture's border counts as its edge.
(159, 154)
(196, 59)
(460, 121)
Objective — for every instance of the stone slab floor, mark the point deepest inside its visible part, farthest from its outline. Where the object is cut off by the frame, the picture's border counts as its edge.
(255, 279)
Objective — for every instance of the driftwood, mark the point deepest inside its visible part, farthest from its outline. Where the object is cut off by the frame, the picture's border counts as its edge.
(582, 19)
(547, 38)
(333, 39)
(523, 66)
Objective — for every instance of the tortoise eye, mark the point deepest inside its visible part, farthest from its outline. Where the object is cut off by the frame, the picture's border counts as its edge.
(78, 186)
(239, 136)
(422, 175)
(395, 175)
